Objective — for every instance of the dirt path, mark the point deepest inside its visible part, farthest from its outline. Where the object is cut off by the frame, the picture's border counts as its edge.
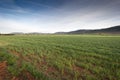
(4, 75)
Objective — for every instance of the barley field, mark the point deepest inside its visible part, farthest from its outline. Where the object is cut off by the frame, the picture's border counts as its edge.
(59, 57)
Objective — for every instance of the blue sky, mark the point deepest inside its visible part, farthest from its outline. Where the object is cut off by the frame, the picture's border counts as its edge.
(51, 16)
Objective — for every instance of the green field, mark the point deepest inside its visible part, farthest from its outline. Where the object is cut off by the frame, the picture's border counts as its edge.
(61, 57)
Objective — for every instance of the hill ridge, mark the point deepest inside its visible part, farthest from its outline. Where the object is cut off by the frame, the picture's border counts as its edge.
(111, 30)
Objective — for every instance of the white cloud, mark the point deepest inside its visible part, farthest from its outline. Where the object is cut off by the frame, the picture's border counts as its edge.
(9, 25)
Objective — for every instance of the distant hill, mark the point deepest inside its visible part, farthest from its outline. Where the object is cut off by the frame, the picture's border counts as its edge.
(111, 30)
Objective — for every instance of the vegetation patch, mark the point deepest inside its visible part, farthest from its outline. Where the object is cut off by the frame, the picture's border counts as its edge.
(60, 57)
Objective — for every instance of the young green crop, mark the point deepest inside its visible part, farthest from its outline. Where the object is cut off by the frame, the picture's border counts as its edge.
(63, 57)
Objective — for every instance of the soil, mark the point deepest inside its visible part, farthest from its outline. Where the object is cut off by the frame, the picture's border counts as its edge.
(4, 74)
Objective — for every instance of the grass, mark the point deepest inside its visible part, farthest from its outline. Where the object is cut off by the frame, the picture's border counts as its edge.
(62, 57)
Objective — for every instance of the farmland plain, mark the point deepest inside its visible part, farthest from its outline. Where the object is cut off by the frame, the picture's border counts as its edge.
(60, 57)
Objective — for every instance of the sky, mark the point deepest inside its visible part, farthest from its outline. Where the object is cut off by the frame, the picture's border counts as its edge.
(49, 16)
